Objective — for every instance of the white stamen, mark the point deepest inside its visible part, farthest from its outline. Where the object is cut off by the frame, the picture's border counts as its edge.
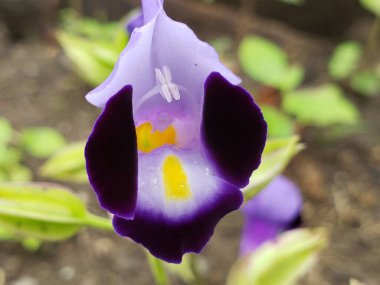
(174, 91)
(160, 79)
(165, 93)
(167, 74)
(164, 86)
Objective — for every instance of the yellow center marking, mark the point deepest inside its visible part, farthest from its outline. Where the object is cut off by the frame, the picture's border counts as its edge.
(175, 180)
(147, 140)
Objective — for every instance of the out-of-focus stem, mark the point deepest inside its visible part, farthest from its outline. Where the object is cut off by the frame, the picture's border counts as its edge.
(158, 270)
(99, 222)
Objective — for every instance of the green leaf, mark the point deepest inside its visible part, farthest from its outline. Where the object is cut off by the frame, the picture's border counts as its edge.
(276, 156)
(280, 262)
(31, 244)
(5, 131)
(320, 106)
(44, 211)
(292, 78)
(372, 5)
(89, 28)
(88, 65)
(345, 60)
(41, 142)
(9, 157)
(20, 173)
(92, 46)
(263, 60)
(366, 83)
(279, 124)
(3, 176)
(68, 164)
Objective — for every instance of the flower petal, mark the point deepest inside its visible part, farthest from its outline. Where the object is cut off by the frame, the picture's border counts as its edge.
(233, 129)
(275, 209)
(136, 21)
(257, 231)
(150, 8)
(162, 42)
(280, 202)
(168, 223)
(111, 156)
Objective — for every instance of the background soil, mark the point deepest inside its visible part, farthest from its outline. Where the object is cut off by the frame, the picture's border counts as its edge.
(339, 179)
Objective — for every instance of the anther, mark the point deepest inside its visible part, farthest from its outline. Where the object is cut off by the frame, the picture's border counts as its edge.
(164, 86)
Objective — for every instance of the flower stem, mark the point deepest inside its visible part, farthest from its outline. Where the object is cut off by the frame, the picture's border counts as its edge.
(158, 270)
(98, 222)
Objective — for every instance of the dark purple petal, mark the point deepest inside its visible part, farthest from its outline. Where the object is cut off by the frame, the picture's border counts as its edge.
(233, 129)
(111, 156)
(169, 240)
(296, 223)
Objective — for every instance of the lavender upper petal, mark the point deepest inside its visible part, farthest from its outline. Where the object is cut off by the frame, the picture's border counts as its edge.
(161, 41)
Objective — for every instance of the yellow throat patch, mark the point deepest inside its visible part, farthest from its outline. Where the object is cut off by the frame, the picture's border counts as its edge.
(147, 140)
(175, 180)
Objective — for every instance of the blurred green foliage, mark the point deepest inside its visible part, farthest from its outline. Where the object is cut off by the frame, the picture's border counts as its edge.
(31, 211)
(276, 156)
(279, 124)
(345, 65)
(321, 106)
(366, 82)
(68, 164)
(92, 47)
(372, 5)
(280, 262)
(11, 168)
(345, 60)
(5, 131)
(267, 63)
(41, 141)
(44, 211)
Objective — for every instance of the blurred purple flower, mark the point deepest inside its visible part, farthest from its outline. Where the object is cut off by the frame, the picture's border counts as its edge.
(274, 210)
(176, 140)
(136, 21)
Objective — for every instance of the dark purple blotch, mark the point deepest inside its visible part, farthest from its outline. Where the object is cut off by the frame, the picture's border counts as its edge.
(233, 129)
(111, 156)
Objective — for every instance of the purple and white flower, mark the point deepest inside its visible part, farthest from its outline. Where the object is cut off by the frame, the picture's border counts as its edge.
(275, 209)
(176, 141)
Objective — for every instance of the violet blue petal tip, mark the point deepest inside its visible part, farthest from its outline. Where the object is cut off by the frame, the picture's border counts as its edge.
(135, 22)
(276, 209)
(280, 202)
(256, 232)
(233, 129)
(111, 156)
